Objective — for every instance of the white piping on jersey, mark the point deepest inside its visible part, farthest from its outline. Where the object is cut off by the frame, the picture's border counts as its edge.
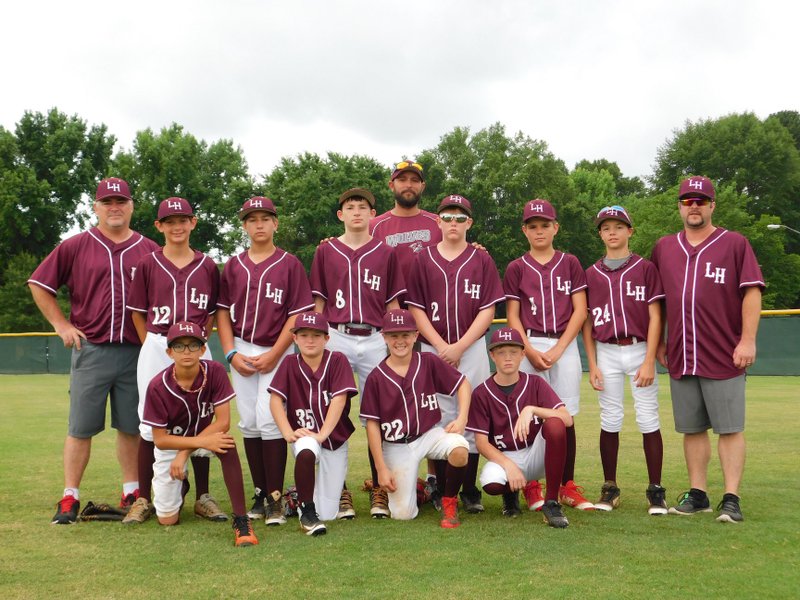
(621, 297)
(318, 417)
(402, 393)
(175, 318)
(258, 291)
(122, 279)
(185, 404)
(508, 412)
(541, 294)
(111, 269)
(352, 318)
(447, 289)
(174, 288)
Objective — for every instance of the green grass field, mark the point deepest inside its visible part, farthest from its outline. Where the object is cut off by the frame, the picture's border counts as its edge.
(623, 554)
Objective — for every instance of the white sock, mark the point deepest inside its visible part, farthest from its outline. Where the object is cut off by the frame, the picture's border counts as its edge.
(72, 492)
(129, 487)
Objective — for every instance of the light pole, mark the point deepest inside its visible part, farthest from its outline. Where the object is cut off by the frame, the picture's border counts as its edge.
(775, 226)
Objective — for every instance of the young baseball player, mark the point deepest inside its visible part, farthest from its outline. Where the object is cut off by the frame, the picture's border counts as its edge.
(546, 303)
(187, 407)
(404, 421)
(452, 293)
(621, 337)
(172, 284)
(355, 279)
(310, 401)
(520, 428)
(261, 292)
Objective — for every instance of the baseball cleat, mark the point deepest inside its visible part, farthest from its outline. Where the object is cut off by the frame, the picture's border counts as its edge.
(472, 501)
(379, 501)
(139, 512)
(243, 530)
(609, 497)
(533, 495)
(449, 513)
(309, 520)
(553, 516)
(274, 510)
(511, 504)
(729, 511)
(290, 502)
(66, 511)
(207, 508)
(127, 501)
(656, 497)
(346, 510)
(691, 502)
(572, 495)
(258, 510)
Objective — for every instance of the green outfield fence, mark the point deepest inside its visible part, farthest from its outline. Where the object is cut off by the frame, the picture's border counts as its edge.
(778, 348)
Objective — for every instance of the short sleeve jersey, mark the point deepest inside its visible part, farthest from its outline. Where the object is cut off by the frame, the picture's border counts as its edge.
(704, 286)
(167, 294)
(356, 284)
(168, 406)
(262, 296)
(308, 393)
(619, 299)
(452, 293)
(406, 407)
(98, 274)
(494, 413)
(407, 235)
(544, 291)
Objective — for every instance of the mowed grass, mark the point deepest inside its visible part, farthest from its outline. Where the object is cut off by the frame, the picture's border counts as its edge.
(623, 554)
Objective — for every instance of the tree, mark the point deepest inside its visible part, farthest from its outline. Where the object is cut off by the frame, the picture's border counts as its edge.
(17, 310)
(623, 186)
(790, 119)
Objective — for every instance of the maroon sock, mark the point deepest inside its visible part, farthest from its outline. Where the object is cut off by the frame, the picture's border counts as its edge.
(653, 454)
(274, 453)
(569, 463)
(609, 451)
(304, 475)
(232, 474)
(201, 465)
(145, 459)
(455, 477)
(471, 474)
(440, 466)
(555, 452)
(372, 470)
(495, 489)
(255, 461)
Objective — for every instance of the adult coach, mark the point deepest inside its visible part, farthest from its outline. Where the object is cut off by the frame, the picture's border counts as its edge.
(713, 285)
(97, 267)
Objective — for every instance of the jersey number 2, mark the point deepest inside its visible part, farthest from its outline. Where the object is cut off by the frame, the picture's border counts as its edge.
(161, 315)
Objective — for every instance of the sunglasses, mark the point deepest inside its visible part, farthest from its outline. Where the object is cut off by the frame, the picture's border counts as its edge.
(181, 347)
(408, 164)
(449, 218)
(695, 201)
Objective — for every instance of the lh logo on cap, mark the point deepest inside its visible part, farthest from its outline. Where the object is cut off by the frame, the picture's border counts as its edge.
(397, 319)
(115, 187)
(255, 204)
(175, 205)
(697, 185)
(309, 319)
(504, 335)
(537, 207)
(187, 328)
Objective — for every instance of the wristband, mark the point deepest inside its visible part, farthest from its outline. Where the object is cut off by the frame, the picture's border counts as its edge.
(229, 355)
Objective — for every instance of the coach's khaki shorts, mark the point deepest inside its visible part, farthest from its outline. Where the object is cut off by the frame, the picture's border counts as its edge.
(699, 403)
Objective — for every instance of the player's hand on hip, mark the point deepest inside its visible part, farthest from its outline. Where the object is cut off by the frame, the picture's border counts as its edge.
(596, 378)
(71, 336)
(516, 480)
(645, 375)
(661, 354)
(217, 441)
(243, 365)
(744, 355)
(386, 479)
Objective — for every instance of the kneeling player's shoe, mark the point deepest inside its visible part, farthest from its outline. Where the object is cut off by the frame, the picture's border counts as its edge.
(309, 520)
(472, 501)
(66, 511)
(657, 499)
(609, 497)
(533, 495)
(379, 503)
(691, 502)
(128, 500)
(572, 495)
(433, 492)
(511, 504)
(449, 512)
(346, 510)
(139, 512)
(258, 510)
(274, 509)
(729, 511)
(207, 508)
(243, 530)
(553, 515)
(291, 504)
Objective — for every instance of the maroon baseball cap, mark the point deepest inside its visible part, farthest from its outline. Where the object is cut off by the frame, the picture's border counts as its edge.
(185, 329)
(411, 166)
(174, 206)
(361, 193)
(696, 187)
(538, 209)
(255, 204)
(113, 187)
(310, 320)
(455, 201)
(506, 336)
(615, 212)
(398, 320)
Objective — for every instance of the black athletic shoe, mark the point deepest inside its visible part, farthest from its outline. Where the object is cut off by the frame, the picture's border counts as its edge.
(309, 520)
(551, 511)
(472, 501)
(657, 499)
(258, 511)
(729, 511)
(691, 502)
(511, 504)
(66, 511)
(433, 493)
(609, 497)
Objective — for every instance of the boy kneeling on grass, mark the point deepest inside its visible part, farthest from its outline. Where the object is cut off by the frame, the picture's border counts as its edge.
(520, 428)
(187, 405)
(402, 414)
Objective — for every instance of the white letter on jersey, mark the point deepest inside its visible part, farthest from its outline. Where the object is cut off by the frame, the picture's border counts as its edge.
(637, 294)
(718, 275)
(276, 296)
(473, 291)
(373, 282)
(428, 401)
(565, 287)
(200, 300)
(533, 306)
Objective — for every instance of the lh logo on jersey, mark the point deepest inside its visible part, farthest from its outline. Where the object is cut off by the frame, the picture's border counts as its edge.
(200, 300)
(428, 401)
(718, 275)
(206, 409)
(275, 295)
(473, 291)
(326, 397)
(373, 282)
(565, 286)
(636, 292)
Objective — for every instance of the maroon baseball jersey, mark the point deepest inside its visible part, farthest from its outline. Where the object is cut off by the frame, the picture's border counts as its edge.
(494, 413)
(619, 299)
(167, 294)
(168, 406)
(356, 284)
(262, 296)
(452, 293)
(406, 407)
(98, 273)
(308, 393)
(704, 286)
(407, 235)
(544, 291)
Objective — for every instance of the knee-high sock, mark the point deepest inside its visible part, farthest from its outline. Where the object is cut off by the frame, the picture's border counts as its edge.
(471, 475)
(441, 475)
(495, 489)
(255, 462)
(653, 454)
(455, 477)
(555, 455)
(274, 453)
(201, 465)
(232, 473)
(609, 451)
(144, 466)
(569, 463)
(304, 475)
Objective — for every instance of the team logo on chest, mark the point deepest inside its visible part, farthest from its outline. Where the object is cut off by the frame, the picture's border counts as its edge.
(636, 292)
(326, 397)
(718, 274)
(275, 295)
(472, 290)
(199, 299)
(428, 401)
(374, 282)
(563, 286)
(206, 409)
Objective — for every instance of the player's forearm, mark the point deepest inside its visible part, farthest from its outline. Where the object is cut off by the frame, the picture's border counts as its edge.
(515, 322)
(319, 305)
(463, 398)
(166, 441)
(222, 419)
(751, 314)
(426, 328)
(335, 410)
(225, 330)
(589, 344)
(488, 451)
(576, 321)
(48, 305)
(557, 413)
(478, 328)
(139, 324)
(654, 330)
(278, 411)
(392, 305)
(375, 443)
(285, 338)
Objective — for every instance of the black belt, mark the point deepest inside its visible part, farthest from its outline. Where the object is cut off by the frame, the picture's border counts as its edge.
(359, 329)
(552, 336)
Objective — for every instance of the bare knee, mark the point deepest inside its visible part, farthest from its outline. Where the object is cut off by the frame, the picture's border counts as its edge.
(169, 519)
(458, 457)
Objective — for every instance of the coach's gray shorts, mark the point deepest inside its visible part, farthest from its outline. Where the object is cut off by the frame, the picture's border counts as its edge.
(699, 403)
(99, 371)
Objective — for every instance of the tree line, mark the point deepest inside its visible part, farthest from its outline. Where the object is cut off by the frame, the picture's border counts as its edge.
(50, 165)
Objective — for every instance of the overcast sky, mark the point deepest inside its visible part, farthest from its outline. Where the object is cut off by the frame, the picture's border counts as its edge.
(387, 79)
